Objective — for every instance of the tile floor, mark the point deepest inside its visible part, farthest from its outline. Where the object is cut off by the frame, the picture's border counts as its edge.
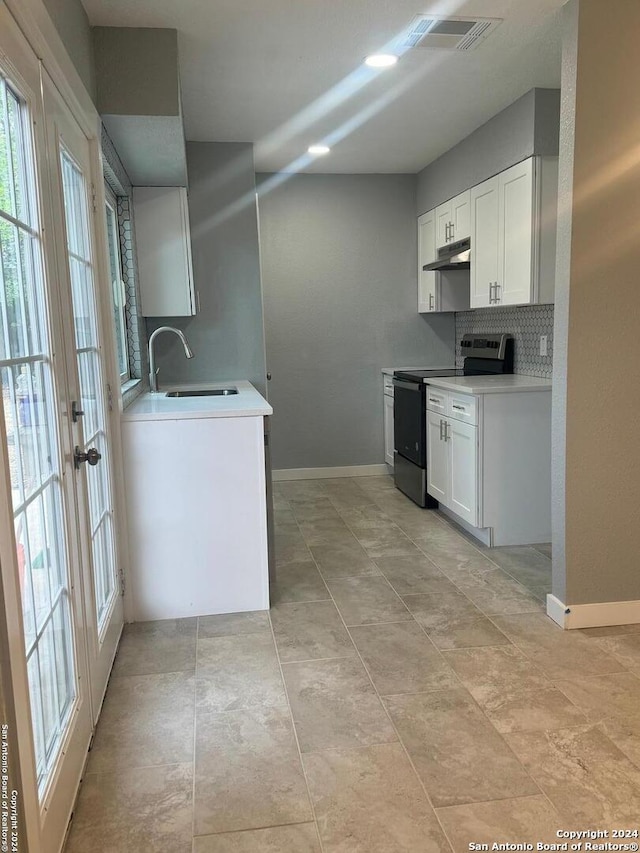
(406, 693)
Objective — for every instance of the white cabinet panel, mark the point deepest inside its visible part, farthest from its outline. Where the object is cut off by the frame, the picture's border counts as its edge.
(427, 281)
(443, 224)
(163, 242)
(388, 429)
(196, 496)
(437, 458)
(484, 242)
(516, 235)
(461, 216)
(462, 439)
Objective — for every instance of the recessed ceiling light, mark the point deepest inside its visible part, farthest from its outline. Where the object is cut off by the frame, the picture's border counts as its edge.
(381, 60)
(319, 150)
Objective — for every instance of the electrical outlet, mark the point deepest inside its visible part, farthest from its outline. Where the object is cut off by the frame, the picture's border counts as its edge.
(543, 345)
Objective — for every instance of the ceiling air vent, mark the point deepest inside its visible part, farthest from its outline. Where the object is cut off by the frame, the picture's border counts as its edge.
(449, 33)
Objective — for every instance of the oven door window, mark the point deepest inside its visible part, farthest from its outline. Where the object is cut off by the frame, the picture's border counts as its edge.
(409, 423)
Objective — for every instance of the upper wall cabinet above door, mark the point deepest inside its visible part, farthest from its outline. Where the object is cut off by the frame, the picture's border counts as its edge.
(163, 242)
(513, 235)
(453, 219)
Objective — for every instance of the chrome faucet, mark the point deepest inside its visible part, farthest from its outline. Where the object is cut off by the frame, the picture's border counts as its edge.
(153, 370)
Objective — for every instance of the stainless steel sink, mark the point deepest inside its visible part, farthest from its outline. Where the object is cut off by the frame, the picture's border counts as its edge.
(204, 392)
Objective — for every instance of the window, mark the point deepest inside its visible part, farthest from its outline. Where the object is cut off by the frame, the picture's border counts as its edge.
(118, 292)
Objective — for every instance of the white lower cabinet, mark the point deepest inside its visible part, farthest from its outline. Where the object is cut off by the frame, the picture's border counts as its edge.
(462, 441)
(489, 462)
(452, 462)
(437, 458)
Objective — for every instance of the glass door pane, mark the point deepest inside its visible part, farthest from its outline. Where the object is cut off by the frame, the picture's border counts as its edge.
(92, 391)
(31, 433)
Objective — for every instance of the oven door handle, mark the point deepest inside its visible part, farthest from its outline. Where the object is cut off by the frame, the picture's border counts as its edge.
(408, 386)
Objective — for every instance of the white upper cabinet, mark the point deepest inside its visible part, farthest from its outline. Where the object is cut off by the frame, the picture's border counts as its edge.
(427, 281)
(163, 242)
(484, 242)
(437, 292)
(453, 219)
(513, 235)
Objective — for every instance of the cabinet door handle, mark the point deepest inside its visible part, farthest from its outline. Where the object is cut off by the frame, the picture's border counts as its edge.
(459, 408)
(453, 231)
(447, 434)
(491, 299)
(441, 425)
(497, 296)
(431, 302)
(433, 400)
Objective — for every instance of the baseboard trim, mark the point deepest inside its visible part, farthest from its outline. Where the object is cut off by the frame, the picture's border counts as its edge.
(599, 615)
(329, 473)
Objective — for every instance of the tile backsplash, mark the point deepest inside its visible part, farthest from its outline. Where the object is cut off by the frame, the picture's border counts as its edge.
(525, 322)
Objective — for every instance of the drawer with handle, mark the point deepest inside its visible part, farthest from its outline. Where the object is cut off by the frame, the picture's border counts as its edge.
(436, 400)
(463, 407)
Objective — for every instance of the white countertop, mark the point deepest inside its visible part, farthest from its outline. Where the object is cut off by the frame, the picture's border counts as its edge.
(504, 384)
(247, 403)
(389, 371)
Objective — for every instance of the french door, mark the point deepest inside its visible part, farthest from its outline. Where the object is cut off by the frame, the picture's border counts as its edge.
(58, 554)
(79, 248)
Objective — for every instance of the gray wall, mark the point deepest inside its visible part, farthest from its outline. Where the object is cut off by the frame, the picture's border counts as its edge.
(597, 393)
(526, 127)
(72, 23)
(137, 71)
(339, 263)
(227, 334)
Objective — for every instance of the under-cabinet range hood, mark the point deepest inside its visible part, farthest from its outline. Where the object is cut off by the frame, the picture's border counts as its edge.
(453, 256)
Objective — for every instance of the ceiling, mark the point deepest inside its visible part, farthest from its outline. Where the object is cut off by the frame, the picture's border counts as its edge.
(285, 74)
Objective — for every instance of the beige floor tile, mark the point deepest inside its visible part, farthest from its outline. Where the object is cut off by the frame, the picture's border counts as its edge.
(300, 490)
(238, 672)
(544, 549)
(560, 654)
(146, 720)
(368, 517)
(377, 483)
(414, 575)
(343, 561)
(527, 820)
(626, 649)
(526, 564)
(587, 778)
(460, 757)
(452, 553)
(494, 592)
(387, 542)
(297, 838)
(610, 631)
(326, 530)
(334, 705)
(248, 773)
(134, 811)
(452, 621)
(290, 548)
(370, 801)
(614, 702)
(401, 659)
(151, 647)
(310, 631)
(314, 509)
(230, 624)
(298, 582)
(512, 691)
(364, 601)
